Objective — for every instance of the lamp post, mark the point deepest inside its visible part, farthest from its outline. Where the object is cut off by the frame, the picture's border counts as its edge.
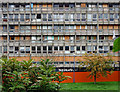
(74, 70)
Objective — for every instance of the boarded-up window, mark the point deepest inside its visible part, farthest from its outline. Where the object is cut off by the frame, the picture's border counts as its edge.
(55, 38)
(100, 27)
(1, 38)
(77, 27)
(110, 37)
(27, 38)
(83, 5)
(33, 27)
(34, 5)
(94, 38)
(49, 5)
(17, 38)
(38, 5)
(110, 27)
(16, 27)
(82, 27)
(105, 5)
(66, 37)
(44, 5)
(104, 27)
(115, 27)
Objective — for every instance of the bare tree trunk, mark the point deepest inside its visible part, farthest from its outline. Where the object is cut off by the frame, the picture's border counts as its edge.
(95, 78)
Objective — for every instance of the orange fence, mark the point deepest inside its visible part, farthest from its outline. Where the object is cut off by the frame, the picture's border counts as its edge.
(83, 77)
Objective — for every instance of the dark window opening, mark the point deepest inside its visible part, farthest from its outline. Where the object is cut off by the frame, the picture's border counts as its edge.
(83, 48)
(66, 47)
(38, 16)
(61, 47)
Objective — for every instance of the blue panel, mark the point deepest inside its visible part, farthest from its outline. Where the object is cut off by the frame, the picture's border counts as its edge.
(32, 6)
(52, 37)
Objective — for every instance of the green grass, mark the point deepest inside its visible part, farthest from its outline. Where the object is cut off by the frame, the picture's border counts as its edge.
(90, 86)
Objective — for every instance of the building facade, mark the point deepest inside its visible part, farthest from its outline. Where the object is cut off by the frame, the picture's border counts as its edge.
(60, 30)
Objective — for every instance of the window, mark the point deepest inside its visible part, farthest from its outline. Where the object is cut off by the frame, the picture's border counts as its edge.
(16, 48)
(66, 17)
(94, 17)
(100, 47)
(44, 17)
(66, 62)
(22, 49)
(27, 17)
(27, 49)
(61, 47)
(33, 49)
(38, 16)
(44, 49)
(12, 38)
(83, 17)
(49, 49)
(116, 16)
(55, 63)
(0, 49)
(10, 17)
(61, 17)
(83, 48)
(88, 48)
(60, 62)
(111, 47)
(33, 17)
(11, 49)
(38, 49)
(111, 17)
(5, 17)
(71, 17)
(16, 17)
(89, 17)
(55, 47)
(21, 17)
(78, 17)
(106, 48)
(72, 49)
(66, 47)
(49, 17)
(105, 16)
(78, 48)
(100, 16)
(4, 49)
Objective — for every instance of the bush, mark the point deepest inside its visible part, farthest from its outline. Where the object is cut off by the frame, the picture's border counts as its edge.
(25, 76)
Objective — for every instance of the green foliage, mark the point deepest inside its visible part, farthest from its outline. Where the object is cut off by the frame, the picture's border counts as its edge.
(116, 45)
(97, 65)
(23, 76)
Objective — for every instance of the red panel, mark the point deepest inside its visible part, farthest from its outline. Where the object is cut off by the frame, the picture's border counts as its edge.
(82, 77)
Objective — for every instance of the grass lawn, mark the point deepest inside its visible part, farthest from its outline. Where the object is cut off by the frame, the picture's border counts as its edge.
(90, 86)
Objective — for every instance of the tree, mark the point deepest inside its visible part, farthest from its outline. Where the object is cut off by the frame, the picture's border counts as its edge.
(97, 65)
(116, 45)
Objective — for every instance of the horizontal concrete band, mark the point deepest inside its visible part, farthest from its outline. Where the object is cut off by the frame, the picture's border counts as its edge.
(61, 1)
